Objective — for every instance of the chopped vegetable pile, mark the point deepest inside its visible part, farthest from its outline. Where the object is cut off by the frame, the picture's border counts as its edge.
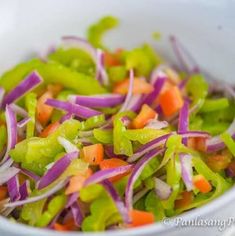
(93, 139)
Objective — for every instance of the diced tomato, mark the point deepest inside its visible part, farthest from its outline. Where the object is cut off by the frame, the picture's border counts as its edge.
(140, 86)
(202, 184)
(3, 192)
(171, 101)
(140, 218)
(146, 113)
(51, 128)
(113, 163)
(218, 162)
(44, 111)
(185, 200)
(93, 154)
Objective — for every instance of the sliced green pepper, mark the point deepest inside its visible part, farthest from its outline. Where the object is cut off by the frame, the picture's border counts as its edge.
(55, 205)
(36, 153)
(31, 105)
(96, 31)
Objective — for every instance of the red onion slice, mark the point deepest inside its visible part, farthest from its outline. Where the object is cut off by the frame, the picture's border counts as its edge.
(30, 174)
(187, 62)
(77, 214)
(11, 131)
(138, 168)
(79, 43)
(68, 146)
(187, 170)
(117, 200)
(24, 190)
(98, 101)
(7, 174)
(129, 93)
(71, 199)
(155, 143)
(13, 188)
(101, 74)
(2, 92)
(163, 190)
(184, 120)
(23, 122)
(215, 143)
(47, 194)
(77, 110)
(106, 174)
(56, 170)
(158, 85)
(29, 83)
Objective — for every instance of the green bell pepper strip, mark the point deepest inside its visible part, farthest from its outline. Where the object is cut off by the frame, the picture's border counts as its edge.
(148, 171)
(32, 212)
(229, 142)
(53, 72)
(214, 104)
(103, 136)
(93, 122)
(91, 192)
(3, 136)
(117, 73)
(142, 59)
(31, 106)
(63, 95)
(100, 219)
(220, 184)
(198, 95)
(13, 77)
(154, 205)
(36, 153)
(96, 31)
(215, 129)
(75, 59)
(143, 136)
(122, 145)
(173, 175)
(54, 207)
(140, 204)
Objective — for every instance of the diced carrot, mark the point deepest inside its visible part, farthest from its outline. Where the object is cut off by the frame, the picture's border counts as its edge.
(171, 101)
(140, 218)
(93, 154)
(112, 163)
(110, 59)
(197, 143)
(60, 227)
(218, 162)
(51, 128)
(44, 111)
(54, 88)
(76, 182)
(3, 192)
(146, 113)
(140, 86)
(202, 184)
(69, 225)
(185, 200)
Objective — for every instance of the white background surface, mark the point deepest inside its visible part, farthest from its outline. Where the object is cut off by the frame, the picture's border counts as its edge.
(206, 28)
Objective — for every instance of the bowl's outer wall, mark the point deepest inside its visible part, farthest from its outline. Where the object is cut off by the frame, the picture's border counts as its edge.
(205, 27)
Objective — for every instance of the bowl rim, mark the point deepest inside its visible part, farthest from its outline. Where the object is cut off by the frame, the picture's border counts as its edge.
(21, 229)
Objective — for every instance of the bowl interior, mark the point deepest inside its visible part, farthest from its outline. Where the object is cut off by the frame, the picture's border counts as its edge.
(206, 28)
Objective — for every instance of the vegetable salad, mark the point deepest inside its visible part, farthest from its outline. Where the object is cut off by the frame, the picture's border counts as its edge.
(85, 128)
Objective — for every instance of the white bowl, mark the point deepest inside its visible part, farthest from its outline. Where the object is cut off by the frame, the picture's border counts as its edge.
(205, 27)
